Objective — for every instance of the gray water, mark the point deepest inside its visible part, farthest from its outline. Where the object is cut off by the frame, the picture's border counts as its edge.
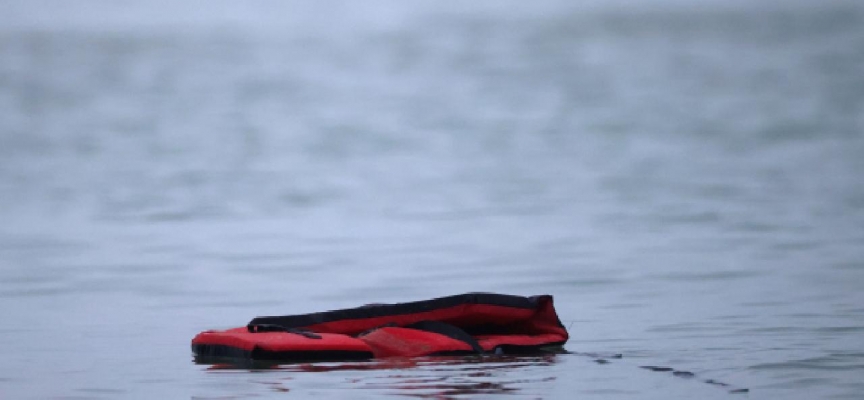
(684, 178)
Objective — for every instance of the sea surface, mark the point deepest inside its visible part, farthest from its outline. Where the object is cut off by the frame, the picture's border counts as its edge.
(685, 178)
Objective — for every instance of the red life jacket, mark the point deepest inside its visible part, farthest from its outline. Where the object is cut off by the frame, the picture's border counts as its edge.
(470, 323)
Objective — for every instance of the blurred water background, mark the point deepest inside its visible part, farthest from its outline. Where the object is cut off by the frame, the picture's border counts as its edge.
(684, 178)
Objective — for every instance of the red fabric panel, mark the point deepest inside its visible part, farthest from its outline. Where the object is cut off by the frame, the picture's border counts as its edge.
(279, 341)
(405, 342)
(225, 338)
(546, 320)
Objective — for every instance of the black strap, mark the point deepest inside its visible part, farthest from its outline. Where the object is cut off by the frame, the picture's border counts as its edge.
(451, 331)
(391, 310)
(277, 328)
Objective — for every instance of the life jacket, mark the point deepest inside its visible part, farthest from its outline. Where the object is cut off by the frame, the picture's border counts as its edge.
(472, 323)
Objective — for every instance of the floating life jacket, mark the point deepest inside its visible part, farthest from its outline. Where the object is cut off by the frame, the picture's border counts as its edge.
(472, 323)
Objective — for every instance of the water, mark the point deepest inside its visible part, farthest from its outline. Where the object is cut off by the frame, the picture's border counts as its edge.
(685, 179)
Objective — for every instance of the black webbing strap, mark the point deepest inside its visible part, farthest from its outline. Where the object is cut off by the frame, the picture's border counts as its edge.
(398, 309)
(277, 328)
(451, 331)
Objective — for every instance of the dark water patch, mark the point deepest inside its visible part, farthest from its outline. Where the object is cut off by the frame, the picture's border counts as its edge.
(265, 256)
(821, 333)
(471, 214)
(803, 315)
(40, 244)
(605, 393)
(623, 306)
(102, 391)
(838, 329)
(806, 382)
(690, 375)
(73, 397)
(34, 292)
(690, 218)
(763, 303)
(731, 317)
(448, 390)
(851, 311)
(125, 270)
(798, 245)
(757, 227)
(163, 248)
(683, 327)
(590, 282)
(708, 276)
(849, 265)
(616, 356)
(186, 215)
(657, 369)
(29, 280)
(775, 330)
(832, 362)
(209, 301)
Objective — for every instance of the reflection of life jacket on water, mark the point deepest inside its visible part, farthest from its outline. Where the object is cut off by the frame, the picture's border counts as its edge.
(473, 323)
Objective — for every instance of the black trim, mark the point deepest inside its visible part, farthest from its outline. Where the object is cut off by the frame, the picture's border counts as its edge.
(386, 310)
(555, 347)
(316, 355)
(277, 328)
(218, 351)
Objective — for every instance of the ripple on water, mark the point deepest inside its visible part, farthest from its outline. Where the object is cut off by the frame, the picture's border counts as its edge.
(700, 276)
(434, 377)
(830, 362)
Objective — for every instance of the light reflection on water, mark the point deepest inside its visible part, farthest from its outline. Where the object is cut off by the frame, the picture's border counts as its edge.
(684, 180)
